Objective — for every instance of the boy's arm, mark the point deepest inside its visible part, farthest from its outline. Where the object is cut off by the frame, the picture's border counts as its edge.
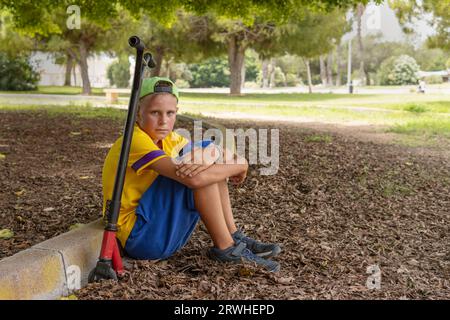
(197, 160)
(214, 174)
(201, 159)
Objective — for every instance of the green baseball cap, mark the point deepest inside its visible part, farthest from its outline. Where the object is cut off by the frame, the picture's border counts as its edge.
(156, 85)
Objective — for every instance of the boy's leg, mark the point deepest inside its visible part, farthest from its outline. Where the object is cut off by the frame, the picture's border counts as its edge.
(208, 204)
(257, 247)
(226, 206)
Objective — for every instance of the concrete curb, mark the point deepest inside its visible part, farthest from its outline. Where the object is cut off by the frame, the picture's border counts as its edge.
(52, 268)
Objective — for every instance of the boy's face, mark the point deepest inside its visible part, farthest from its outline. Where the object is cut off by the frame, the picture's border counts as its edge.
(157, 115)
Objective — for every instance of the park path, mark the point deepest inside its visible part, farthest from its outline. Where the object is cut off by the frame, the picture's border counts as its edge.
(98, 101)
(360, 130)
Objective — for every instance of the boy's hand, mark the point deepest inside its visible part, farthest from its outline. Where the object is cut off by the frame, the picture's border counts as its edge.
(196, 161)
(238, 179)
(190, 169)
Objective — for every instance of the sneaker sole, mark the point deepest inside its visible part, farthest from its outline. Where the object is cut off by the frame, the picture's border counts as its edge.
(214, 258)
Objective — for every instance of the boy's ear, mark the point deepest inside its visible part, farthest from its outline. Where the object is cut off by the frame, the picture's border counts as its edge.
(138, 115)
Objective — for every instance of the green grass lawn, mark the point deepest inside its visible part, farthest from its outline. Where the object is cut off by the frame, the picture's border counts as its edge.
(72, 110)
(57, 90)
(421, 115)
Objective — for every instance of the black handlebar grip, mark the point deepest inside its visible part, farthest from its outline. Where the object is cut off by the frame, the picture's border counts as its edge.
(135, 42)
(148, 58)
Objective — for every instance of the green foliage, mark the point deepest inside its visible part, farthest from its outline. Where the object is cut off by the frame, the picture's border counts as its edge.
(377, 51)
(252, 66)
(435, 79)
(17, 74)
(11, 41)
(400, 70)
(188, 38)
(118, 73)
(280, 78)
(309, 34)
(430, 59)
(292, 80)
(213, 72)
(408, 11)
(424, 127)
(415, 108)
(177, 71)
(290, 64)
(181, 83)
(6, 234)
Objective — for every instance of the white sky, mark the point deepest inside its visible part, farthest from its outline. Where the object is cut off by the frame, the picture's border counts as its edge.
(382, 19)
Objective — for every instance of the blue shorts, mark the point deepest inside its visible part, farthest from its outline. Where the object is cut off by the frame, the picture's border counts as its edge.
(166, 218)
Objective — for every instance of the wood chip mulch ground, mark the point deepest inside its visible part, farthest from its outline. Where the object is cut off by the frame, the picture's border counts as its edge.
(338, 206)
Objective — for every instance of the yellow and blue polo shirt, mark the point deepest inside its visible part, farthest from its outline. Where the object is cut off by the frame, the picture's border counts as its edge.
(143, 152)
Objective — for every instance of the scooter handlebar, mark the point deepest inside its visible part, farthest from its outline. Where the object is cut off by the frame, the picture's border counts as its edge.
(135, 42)
(148, 58)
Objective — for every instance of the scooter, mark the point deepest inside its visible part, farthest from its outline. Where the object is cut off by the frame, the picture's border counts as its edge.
(109, 264)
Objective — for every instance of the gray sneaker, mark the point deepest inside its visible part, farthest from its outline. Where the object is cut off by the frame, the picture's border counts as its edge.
(261, 249)
(240, 252)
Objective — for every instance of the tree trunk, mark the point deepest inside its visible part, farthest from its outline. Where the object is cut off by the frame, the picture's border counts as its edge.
(159, 56)
(243, 75)
(167, 68)
(272, 73)
(308, 73)
(338, 64)
(74, 72)
(367, 78)
(84, 69)
(362, 73)
(71, 53)
(236, 58)
(69, 67)
(265, 73)
(330, 69)
(323, 71)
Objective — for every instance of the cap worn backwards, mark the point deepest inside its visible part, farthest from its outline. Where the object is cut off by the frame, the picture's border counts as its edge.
(157, 85)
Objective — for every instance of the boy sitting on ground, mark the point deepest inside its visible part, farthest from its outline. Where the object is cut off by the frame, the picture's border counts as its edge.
(163, 200)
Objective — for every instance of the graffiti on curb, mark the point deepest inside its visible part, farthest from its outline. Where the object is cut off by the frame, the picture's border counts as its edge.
(73, 274)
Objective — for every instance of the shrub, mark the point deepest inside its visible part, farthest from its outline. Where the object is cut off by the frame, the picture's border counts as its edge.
(118, 73)
(213, 72)
(398, 70)
(415, 108)
(433, 79)
(292, 80)
(251, 85)
(280, 78)
(16, 73)
(181, 83)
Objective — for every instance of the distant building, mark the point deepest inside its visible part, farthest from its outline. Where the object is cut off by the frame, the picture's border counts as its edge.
(53, 74)
(445, 74)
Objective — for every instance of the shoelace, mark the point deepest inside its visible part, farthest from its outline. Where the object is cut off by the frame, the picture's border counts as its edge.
(251, 243)
(253, 257)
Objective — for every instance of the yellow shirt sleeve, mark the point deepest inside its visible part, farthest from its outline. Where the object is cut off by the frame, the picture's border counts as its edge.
(143, 151)
(175, 142)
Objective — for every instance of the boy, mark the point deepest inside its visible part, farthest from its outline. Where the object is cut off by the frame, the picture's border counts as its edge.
(162, 200)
